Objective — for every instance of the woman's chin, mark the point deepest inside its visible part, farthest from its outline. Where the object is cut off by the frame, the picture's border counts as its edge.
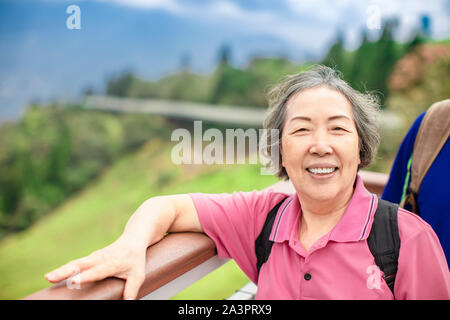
(322, 194)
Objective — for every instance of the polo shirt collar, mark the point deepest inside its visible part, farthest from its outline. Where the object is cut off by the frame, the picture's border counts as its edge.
(354, 225)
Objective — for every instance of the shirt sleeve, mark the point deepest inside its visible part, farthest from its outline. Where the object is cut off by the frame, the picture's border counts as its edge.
(422, 267)
(394, 187)
(234, 221)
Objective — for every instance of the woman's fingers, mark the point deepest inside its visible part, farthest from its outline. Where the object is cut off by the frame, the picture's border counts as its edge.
(112, 261)
(133, 285)
(96, 273)
(70, 269)
(62, 273)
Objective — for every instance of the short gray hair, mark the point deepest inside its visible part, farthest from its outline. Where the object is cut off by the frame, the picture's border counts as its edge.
(365, 108)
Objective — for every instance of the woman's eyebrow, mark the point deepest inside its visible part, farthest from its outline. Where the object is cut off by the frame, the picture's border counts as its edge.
(340, 116)
(300, 118)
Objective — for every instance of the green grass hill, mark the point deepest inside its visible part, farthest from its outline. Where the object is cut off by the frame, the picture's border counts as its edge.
(96, 216)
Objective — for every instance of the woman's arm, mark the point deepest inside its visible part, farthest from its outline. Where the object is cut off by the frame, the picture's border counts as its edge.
(125, 257)
(159, 215)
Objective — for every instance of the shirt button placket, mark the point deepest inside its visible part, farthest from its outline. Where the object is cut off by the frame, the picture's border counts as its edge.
(305, 279)
(306, 286)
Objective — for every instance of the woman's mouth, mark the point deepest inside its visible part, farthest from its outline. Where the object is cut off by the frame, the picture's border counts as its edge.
(322, 172)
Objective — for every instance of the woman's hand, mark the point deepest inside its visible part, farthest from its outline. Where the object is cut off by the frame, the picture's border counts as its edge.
(124, 259)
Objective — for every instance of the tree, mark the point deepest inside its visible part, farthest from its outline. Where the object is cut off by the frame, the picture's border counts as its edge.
(336, 56)
(120, 85)
(384, 60)
(231, 83)
(185, 62)
(224, 55)
(362, 67)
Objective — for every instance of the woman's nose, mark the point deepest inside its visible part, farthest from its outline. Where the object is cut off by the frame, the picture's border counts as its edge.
(320, 145)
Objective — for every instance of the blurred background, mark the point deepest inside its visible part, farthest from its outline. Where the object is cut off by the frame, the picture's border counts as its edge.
(72, 173)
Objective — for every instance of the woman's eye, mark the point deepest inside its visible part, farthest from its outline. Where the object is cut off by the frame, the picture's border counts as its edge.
(338, 129)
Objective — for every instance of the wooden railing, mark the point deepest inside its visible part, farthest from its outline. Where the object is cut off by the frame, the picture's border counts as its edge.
(173, 264)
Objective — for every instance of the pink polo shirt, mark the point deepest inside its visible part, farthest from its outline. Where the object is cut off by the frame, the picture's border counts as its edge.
(339, 265)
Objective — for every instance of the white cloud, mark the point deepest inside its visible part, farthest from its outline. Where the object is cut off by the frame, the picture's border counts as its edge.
(409, 13)
(319, 10)
(306, 23)
(168, 5)
(300, 33)
(316, 16)
(351, 16)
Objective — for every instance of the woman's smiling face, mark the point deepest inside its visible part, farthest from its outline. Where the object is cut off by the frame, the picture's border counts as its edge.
(320, 144)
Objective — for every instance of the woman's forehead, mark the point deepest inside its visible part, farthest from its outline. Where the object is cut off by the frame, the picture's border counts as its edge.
(318, 102)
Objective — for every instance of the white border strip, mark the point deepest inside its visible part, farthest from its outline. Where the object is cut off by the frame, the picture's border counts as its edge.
(185, 280)
(247, 292)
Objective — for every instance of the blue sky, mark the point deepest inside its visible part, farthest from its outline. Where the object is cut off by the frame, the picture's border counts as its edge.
(41, 59)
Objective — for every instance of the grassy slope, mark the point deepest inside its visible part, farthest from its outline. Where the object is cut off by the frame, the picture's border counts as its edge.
(96, 216)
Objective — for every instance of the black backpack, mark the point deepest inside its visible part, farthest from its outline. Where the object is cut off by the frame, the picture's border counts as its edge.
(383, 240)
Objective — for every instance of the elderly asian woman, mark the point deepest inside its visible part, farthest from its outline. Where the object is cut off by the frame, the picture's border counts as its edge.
(328, 131)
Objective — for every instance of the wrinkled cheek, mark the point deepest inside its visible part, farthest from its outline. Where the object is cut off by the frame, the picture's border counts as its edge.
(291, 163)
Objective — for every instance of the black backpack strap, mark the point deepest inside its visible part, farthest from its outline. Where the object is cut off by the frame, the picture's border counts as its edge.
(384, 240)
(263, 245)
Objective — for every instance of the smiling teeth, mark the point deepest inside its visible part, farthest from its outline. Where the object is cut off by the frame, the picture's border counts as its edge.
(321, 170)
